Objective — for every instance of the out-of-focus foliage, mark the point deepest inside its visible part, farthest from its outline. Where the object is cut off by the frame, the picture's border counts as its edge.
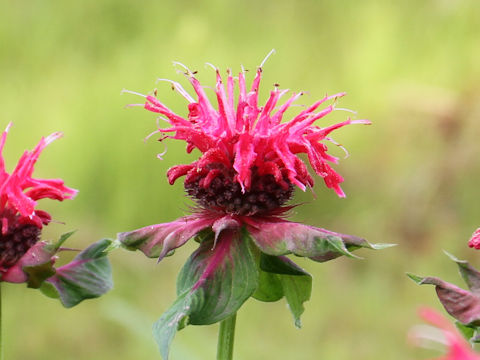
(411, 67)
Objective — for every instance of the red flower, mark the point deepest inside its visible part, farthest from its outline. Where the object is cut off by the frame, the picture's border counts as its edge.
(247, 148)
(249, 166)
(241, 183)
(458, 348)
(474, 241)
(21, 222)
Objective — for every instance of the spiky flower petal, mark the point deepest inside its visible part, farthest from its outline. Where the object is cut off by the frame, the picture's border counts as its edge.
(21, 222)
(248, 151)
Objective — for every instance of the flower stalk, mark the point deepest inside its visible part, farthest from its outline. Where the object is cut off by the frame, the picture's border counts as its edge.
(226, 337)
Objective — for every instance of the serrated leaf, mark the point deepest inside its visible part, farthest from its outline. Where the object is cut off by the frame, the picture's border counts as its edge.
(212, 285)
(87, 276)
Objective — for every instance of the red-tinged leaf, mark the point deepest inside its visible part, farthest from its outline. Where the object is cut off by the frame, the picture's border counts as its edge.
(470, 275)
(158, 240)
(280, 237)
(461, 304)
(212, 285)
(87, 276)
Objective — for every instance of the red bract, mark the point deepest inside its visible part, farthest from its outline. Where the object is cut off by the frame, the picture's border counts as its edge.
(21, 222)
(458, 348)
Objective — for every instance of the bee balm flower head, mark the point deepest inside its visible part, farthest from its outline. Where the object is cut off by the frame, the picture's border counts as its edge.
(247, 172)
(250, 162)
(21, 222)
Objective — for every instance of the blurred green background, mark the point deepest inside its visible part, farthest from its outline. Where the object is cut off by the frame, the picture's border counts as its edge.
(411, 67)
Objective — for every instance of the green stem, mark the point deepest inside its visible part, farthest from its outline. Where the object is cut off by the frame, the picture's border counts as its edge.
(226, 336)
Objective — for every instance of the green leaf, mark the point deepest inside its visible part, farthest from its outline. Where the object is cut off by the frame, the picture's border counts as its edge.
(172, 320)
(62, 239)
(280, 265)
(297, 290)
(87, 276)
(417, 279)
(467, 331)
(37, 274)
(49, 290)
(279, 277)
(269, 288)
(212, 285)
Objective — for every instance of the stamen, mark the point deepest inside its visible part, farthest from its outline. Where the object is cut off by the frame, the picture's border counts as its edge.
(162, 118)
(179, 88)
(266, 57)
(212, 66)
(132, 92)
(159, 156)
(344, 109)
(188, 71)
(347, 154)
(150, 135)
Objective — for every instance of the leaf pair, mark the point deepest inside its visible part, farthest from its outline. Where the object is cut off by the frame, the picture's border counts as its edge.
(87, 276)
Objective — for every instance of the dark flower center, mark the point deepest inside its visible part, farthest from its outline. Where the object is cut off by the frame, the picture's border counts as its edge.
(225, 194)
(16, 242)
